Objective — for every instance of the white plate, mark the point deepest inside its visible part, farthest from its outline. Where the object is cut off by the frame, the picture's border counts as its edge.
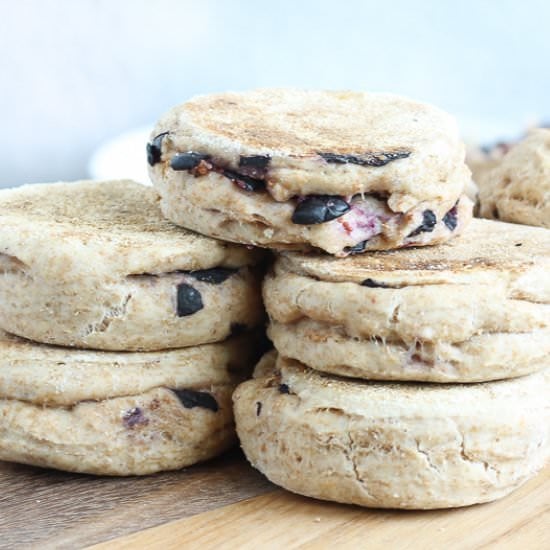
(122, 157)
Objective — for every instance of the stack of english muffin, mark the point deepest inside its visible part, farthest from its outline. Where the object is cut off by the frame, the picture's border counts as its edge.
(405, 375)
(122, 336)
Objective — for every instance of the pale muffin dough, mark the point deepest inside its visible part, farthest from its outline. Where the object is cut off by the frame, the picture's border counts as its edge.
(517, 189)
(95, 265)
(476, 308)
(118, 413)
(414, 446)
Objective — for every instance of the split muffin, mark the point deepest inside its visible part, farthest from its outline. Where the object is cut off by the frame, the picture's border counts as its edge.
(118, 413)
(384, 445)
(95, 265)
(343, 172)
(473, 309)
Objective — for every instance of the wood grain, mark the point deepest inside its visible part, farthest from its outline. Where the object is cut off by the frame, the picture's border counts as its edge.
(283, 520)
(46, 508)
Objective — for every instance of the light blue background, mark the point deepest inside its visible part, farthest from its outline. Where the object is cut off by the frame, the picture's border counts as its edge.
(75, 73)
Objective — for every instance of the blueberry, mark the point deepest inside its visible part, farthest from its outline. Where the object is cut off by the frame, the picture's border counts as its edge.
(254, 166)
(255, 161)
(154, 149)
(258, 408)
(187, 161)
(366, 159)
(191, 399)
(428, 223)
(134, 417)
(245, 182)
(371, 283)
(316, 209)
(214, 276)
(356, 248)
(283, 388)
(450, 219)
(189, 300)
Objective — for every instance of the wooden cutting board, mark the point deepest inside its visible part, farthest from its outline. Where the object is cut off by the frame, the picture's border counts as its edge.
(226, 504)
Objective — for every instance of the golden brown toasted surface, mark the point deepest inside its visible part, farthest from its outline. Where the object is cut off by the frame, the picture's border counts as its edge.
(321, 142)
(121, 206)
(95, 228)
(484, 245)
(302, 122)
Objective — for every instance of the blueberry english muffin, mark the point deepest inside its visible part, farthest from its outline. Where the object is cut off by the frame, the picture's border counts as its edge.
(475, 308)
(95, 265)
(386, 445)
(517, 188)
(115, 413)
(344, 172)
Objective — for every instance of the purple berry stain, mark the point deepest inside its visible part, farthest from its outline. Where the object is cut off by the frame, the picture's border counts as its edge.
(450, 219)
(134, 417)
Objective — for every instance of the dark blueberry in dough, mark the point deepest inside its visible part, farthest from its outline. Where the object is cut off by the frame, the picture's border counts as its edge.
(258, 408)
(154, 149)
(190, 399)
(316, 209)
(189, 300)
(237, 328)
(371, 283)
(254, 166)
(214, 276)
(365, 159)
(187, 161)
(255, 161)
(450, 219)
(134, 417)
(357, 248)
(429, 220)
(283, 388)
(518, 244)
(428, 223)
(245, 182)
